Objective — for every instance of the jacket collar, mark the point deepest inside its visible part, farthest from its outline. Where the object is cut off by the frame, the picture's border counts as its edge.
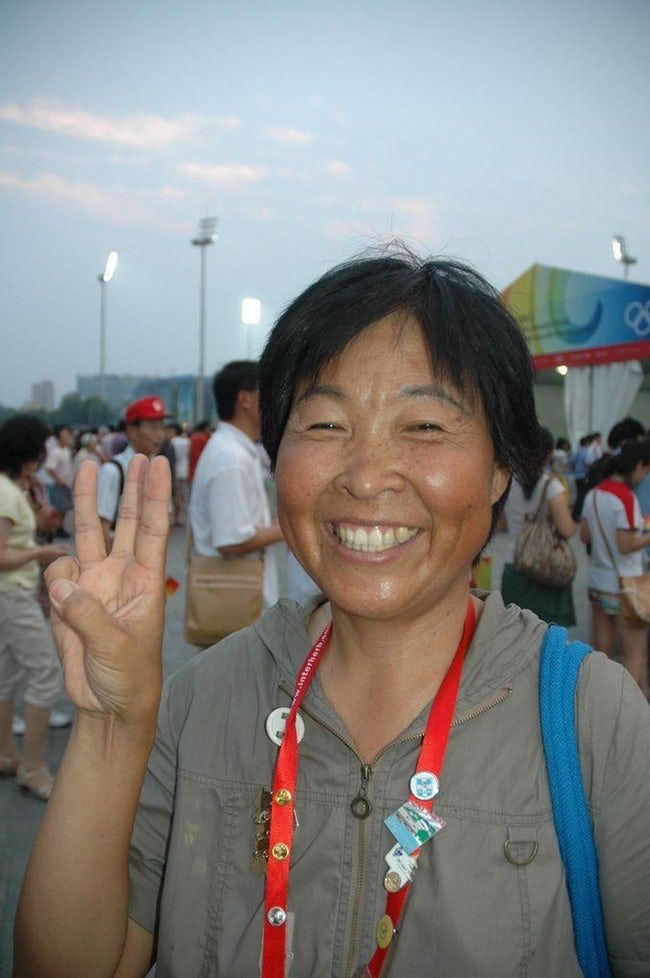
(505, 641)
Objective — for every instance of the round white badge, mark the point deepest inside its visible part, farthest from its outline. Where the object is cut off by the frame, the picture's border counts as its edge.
(276, 721)
(424, 785)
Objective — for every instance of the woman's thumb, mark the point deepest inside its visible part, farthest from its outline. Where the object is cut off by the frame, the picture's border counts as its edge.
(79, 609)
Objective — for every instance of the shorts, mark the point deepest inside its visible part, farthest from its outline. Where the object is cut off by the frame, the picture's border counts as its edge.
(27, 650)
(609, 604)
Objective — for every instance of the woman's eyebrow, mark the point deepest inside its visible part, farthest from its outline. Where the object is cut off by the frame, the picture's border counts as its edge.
(323, 390)
(433, 390)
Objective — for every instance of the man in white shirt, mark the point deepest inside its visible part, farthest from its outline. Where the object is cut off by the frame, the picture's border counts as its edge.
(229, 510)
(145, 430)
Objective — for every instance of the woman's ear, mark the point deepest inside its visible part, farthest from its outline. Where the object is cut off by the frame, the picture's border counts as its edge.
(500, 482)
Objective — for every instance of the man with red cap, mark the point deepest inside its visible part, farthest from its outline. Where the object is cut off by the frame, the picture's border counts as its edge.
(144, 421)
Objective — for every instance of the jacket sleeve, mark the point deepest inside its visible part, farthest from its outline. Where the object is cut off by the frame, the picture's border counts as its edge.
(614, 726)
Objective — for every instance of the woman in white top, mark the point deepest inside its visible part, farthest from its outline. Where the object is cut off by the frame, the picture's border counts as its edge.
(550, 603)
(26, 644)
(612, 525)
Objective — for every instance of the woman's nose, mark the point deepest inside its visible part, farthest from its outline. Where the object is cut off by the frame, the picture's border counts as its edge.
(370, 470)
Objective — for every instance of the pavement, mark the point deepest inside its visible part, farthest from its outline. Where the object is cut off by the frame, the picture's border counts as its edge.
(20, 814)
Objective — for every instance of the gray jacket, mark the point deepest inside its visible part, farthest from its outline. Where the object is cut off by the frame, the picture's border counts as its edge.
(471, 911)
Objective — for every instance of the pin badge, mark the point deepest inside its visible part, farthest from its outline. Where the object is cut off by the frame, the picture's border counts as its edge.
(276, 722)
(384, 933)
(276, 916)
(412, 826)
(424, 785)
(393, 881)
(399, 862)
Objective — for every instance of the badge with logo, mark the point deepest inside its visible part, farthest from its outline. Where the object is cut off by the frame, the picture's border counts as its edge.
(412, 826)
(424, 785)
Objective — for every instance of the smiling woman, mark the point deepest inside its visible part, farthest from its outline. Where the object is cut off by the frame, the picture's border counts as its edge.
(302, 772)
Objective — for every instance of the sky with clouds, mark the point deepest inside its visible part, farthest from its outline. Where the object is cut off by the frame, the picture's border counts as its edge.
(502, 132)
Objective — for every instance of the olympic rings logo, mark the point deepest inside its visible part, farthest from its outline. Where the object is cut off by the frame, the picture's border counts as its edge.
(637, 317)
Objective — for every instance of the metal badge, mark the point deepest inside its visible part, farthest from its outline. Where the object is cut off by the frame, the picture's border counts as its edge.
(384, 934)
(393, 881)
(262, 818)
(276, 916)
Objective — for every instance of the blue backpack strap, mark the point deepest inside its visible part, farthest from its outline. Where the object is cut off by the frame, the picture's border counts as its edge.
(559, 669)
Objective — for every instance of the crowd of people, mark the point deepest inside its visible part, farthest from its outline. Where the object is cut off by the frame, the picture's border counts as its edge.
(400, 438)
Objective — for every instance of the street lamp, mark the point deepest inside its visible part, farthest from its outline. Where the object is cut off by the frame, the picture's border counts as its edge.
(103, 278)
(621, 254)
(251, 312)
(204, 237)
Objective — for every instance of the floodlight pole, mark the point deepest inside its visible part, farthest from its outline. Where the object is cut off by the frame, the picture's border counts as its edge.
(103, 278)
(205, 237)
(102, 336)
(621, 254)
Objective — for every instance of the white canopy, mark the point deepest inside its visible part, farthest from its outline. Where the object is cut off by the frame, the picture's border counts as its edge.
(595, 398)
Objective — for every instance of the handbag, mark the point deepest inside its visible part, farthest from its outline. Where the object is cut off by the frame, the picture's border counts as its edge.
(223, 594)
(541, 553)
(634, 592)
(559, 669)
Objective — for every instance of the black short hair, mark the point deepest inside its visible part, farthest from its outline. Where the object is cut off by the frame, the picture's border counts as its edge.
(22, 440)
(625, 461)
(544, 449)
(629, 429)
(58, 428)
(239, 375)
(474, 341)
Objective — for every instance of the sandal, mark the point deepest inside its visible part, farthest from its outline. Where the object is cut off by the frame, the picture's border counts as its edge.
(9, 764)
(39, 781)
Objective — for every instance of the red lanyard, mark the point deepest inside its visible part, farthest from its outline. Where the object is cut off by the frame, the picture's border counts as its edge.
(431, 759)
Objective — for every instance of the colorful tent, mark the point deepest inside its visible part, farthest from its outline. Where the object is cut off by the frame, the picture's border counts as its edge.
(580, 320)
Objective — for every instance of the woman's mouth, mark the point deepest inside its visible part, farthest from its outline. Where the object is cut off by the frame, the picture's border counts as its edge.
(372, 539)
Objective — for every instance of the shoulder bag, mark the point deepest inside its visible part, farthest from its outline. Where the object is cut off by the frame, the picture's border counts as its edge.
(634, 592)
(559, 669)
(541, 553)
(223, 594)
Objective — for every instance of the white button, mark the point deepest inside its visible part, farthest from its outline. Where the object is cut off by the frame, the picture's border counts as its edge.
(424, 785)
(276, 722)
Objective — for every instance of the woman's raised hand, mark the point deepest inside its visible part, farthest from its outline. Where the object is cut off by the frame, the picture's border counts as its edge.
(108, 609)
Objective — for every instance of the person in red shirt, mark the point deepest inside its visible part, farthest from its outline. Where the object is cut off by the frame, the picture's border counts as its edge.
(198, 440)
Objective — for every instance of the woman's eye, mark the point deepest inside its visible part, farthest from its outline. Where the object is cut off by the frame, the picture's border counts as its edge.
(426, 426)
(323, 426)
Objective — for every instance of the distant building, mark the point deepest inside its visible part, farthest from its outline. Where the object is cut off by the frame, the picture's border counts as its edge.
(42, 396)
(178, 393)
(118, 388)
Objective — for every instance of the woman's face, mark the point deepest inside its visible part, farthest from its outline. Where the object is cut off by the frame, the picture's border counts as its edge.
(386, 477)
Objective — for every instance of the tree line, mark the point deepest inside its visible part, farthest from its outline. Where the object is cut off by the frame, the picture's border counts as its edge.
(73, 410)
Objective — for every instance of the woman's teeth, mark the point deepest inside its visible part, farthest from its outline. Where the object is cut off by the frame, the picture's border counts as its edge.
(373, 540)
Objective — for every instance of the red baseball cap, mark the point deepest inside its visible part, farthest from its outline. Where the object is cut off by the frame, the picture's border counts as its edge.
(145, 409)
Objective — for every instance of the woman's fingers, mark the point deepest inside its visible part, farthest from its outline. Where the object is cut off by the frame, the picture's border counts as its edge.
(83, 612)
(64, 567)
(151, 539)
(130, 508)
(89, 539)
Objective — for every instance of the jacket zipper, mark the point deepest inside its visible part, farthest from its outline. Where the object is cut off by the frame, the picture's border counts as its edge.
(364, 808)
(364, 804)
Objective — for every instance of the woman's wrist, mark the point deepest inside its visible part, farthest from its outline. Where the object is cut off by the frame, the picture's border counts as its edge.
(110, 733)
